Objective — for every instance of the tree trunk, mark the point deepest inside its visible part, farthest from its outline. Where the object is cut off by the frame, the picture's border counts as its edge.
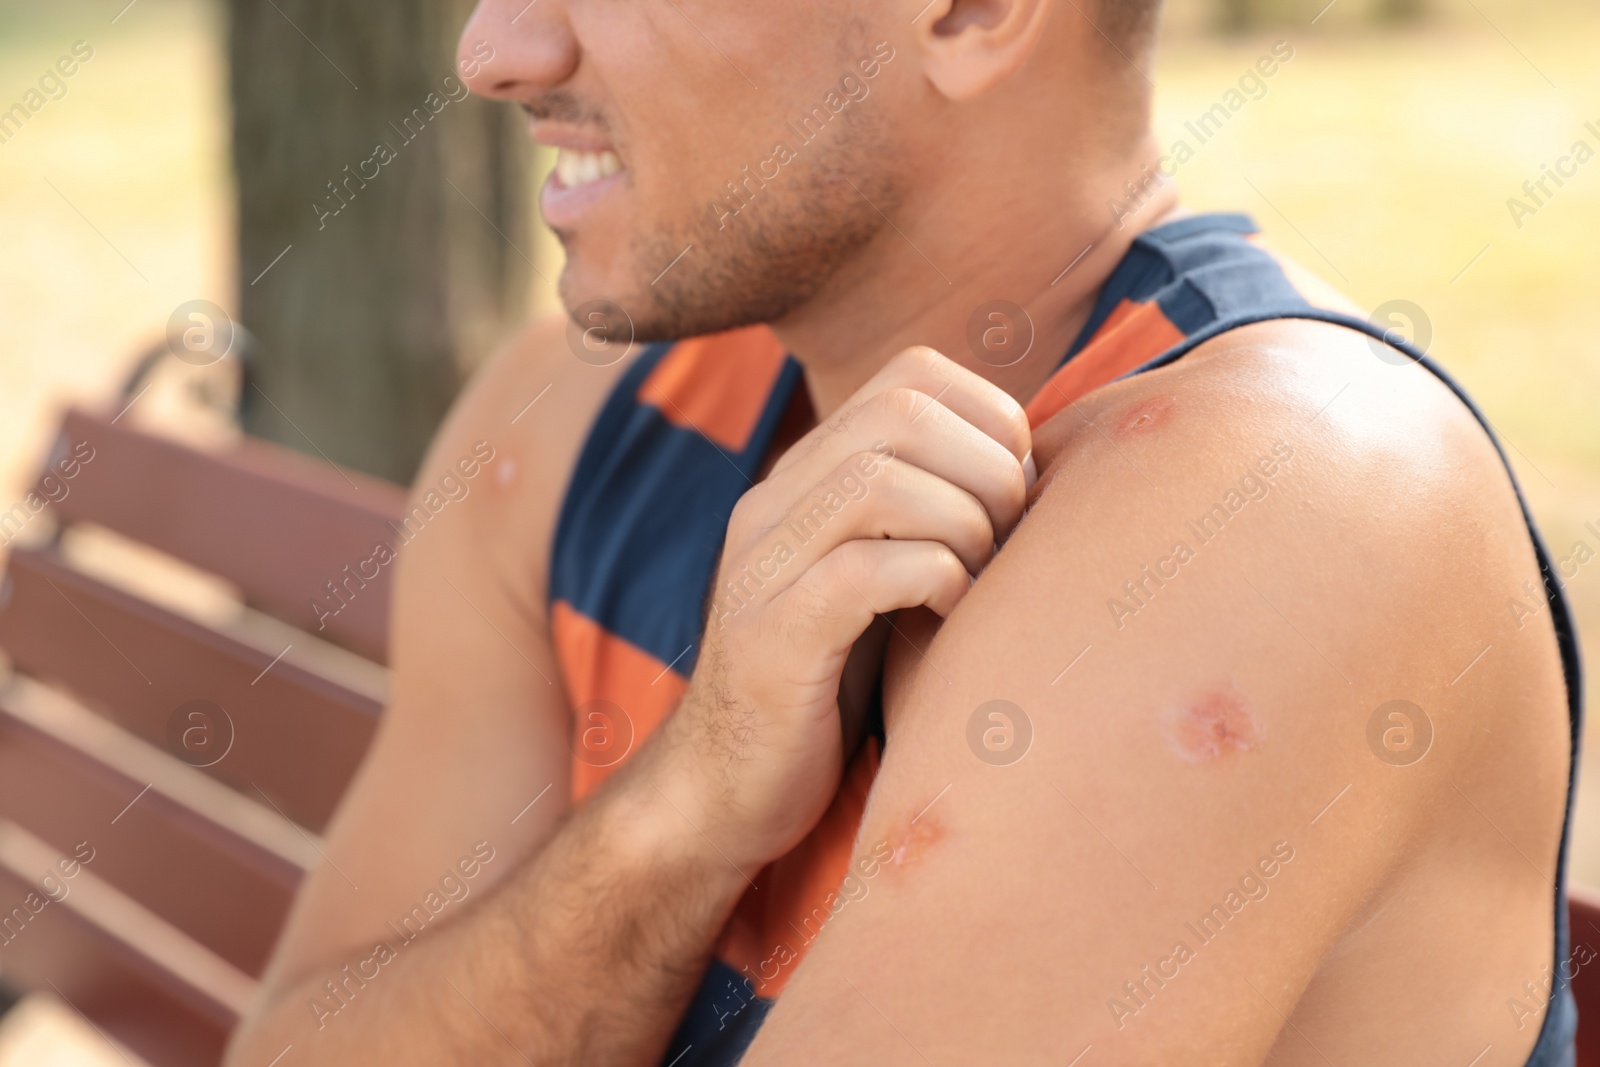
(384, 222)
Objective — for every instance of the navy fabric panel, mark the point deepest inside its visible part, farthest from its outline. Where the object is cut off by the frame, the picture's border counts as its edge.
(721, 1021)
(643, 522)
(1237, 277)
(1197, 270)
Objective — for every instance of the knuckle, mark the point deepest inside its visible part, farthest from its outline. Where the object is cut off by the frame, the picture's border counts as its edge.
(948, 568)
(902, 402)
(868, 464)
(980, 525)
(1007, 482)
(924, 358)
(744, 515)
(805, 609)
(976, 536)
(851, 564)
(891, 478)
(1015, 421)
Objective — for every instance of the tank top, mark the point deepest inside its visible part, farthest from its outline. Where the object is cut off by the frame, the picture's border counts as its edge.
(681, 438)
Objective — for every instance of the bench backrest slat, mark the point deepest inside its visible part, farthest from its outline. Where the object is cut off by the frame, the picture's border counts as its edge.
(225, 891)
(277, 524)
(146, 986)
(298, 736)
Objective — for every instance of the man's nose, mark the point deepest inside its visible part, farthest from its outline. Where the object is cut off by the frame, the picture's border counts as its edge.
(512, 49)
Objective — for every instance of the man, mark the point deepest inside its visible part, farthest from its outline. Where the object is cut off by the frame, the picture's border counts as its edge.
(721, 727)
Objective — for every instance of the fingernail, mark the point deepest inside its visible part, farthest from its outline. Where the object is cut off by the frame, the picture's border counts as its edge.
(1030, 470)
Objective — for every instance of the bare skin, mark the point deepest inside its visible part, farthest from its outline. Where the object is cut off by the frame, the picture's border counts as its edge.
(1226, 718)
(1369, 919)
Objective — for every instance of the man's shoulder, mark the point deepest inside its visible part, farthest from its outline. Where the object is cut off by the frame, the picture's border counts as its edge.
(1381, 442)
(529, 408)
(1286, 476)
(532, 393)
(1259, 604)
(1257, 608)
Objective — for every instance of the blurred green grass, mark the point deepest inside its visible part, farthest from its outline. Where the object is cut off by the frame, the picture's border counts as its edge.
(1388, 154)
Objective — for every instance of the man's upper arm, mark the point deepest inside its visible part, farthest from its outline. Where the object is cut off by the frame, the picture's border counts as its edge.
(475, 728)
(1154, 703)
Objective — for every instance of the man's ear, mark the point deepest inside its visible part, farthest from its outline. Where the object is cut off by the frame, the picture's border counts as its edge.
(970, 46)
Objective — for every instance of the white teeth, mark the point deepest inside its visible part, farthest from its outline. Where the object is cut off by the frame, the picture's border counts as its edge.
(575, 168)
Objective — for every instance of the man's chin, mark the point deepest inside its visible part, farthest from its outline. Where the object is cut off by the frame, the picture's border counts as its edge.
(610, 304)
(580, 285)
(666, 288)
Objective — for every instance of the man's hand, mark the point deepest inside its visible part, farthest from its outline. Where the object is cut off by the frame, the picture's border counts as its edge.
(896, 501)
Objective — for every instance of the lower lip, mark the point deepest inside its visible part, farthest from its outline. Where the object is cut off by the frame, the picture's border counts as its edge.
(565, 207)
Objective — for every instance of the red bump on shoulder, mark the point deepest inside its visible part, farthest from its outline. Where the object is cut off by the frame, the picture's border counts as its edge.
(1211, 725)
(1151, 413)
(911, 844)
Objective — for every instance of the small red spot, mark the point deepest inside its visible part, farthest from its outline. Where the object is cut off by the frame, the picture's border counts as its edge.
(1211, 725)
(915, 840)
(1148, 414)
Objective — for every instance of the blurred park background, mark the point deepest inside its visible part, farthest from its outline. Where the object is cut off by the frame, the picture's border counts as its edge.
(1383, 156)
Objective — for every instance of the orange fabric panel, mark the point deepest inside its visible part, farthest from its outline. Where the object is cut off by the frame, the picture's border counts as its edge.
(597, 665)
(793, 898)
(718, 385)
(1131, 335)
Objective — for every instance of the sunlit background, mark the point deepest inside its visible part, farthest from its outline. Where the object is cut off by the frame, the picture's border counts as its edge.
(1383, 155)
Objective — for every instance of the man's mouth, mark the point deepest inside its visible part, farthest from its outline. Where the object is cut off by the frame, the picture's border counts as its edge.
(575, 167)
(581, 180)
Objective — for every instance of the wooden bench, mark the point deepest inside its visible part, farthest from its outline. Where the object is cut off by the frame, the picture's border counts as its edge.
(179, 764)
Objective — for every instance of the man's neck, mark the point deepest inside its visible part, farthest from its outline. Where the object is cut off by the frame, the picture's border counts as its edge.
(924, 282)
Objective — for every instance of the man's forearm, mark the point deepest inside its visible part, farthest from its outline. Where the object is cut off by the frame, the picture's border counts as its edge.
(587, 954)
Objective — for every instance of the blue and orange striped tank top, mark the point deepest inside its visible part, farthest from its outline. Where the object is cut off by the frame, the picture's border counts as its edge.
(681, 439)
